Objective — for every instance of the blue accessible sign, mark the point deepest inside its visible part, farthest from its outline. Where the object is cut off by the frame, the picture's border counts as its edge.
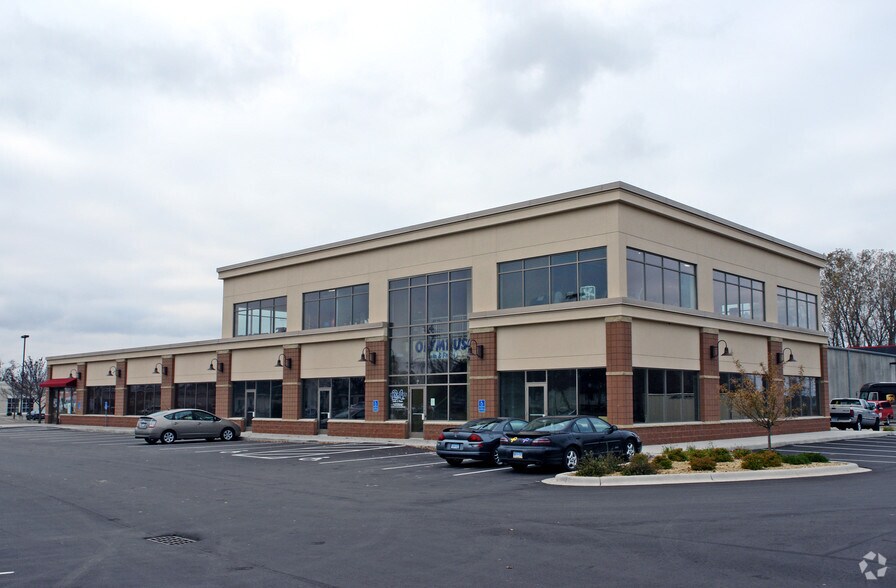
(482, 406)
(376, 406)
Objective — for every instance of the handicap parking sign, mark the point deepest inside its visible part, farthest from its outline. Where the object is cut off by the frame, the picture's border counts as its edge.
(482, 406)
(376, 406)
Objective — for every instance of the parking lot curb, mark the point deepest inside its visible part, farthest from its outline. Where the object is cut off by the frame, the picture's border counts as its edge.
(570, 479)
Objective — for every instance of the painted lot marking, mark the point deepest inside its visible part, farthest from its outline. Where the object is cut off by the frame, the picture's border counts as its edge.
(307, 453)
(891, 451)
(416, 465)
(489, 471)
(380, 457)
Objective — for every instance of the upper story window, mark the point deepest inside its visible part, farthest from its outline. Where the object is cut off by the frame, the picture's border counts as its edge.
(738, 296)
(550, 279)
(655, 278)
(336, 307)
(259, 317)
(797, 309)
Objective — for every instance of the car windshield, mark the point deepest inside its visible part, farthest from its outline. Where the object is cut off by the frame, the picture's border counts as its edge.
(546, 425)
(481, 424)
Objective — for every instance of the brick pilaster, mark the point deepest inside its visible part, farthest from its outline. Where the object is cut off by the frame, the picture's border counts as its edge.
(223, 387)
(81, 390)
(482, 374)
(375, 385)
(619, 370)
(823, 388)
(167, 388)
(292, 383)
(121, 386)
(708, 401)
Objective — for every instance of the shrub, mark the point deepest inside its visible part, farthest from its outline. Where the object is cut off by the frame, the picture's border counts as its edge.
(720, 454)
(796, 459)
(816, 457)
(597, 466)
(771, 459)
(662, 462)
(702, 464)
(675, 453)
(639, 465)
(752, 461)
(740, 452)
(692, 452)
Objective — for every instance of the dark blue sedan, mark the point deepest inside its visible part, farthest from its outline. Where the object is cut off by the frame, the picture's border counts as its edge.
(477, 439)
(563, 440)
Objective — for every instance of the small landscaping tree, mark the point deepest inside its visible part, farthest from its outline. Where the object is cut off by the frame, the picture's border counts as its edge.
(767, 405)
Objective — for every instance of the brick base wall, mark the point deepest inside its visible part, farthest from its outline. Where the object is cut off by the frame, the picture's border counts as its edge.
(660, 434)
(285, 427)
(98, 420)
(379, 430)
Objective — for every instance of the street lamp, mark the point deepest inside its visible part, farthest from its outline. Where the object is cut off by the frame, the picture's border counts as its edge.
(22, 376)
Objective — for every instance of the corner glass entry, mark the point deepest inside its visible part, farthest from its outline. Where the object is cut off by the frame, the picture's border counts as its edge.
(244, 406)
(536, 396)
(418, 410)
(324, 409)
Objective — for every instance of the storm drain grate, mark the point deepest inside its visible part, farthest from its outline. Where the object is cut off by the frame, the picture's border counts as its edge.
(171, 540)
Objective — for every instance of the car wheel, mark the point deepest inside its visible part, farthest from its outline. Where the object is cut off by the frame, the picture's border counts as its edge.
(227, 434)
(570, 459)
(151, 441)
(454, 461)
(876, 425)
(518, 467)
(496, 459)
(630, 450)
(168, 437)
(858, 425)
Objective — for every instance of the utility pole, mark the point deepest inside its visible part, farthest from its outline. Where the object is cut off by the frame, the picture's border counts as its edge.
(22, 376)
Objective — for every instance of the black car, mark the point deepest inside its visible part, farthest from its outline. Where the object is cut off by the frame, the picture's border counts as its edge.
(477, 439)
(563, 440)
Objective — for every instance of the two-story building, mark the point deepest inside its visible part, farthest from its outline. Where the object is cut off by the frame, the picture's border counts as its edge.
(610, 300)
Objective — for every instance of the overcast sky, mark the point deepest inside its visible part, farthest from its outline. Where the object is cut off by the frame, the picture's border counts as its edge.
(145, 144)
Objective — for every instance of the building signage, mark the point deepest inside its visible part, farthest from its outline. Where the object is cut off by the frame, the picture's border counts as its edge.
(439, 347)
(398, 398)
(481, 405)
(376, 406)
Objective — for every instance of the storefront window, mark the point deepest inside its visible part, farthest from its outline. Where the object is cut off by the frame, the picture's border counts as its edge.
(554, 392)
(100, 400)
(199, 395)
(664, 396)
(143, 399)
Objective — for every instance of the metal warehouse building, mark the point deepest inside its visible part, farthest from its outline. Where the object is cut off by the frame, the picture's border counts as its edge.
(609, 300)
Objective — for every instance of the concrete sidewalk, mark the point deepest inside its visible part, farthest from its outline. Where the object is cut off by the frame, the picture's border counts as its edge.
(758, 442)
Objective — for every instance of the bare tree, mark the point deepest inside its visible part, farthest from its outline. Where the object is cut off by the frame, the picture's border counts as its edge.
(25, 383)
(859, 298)
(766, 405)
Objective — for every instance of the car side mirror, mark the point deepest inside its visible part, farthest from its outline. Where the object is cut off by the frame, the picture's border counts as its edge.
(613, 428)
(217, 419)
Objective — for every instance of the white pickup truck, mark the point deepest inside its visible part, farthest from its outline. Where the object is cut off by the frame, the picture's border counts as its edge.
(854, 413)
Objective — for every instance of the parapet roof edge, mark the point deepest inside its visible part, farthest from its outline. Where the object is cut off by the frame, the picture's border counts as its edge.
(617, 185)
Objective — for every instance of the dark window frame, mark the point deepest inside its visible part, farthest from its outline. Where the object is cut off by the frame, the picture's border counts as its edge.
(346, 305)
(644, 268)
(259, 317)
(552, 269)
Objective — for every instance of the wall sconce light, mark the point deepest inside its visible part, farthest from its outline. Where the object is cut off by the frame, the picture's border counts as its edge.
(779, 357)
(286, 360)
(476, 349)
(215, 365)
(164, 369)
(74, 374)
(368, 356)
(114, 371)
(714, 350)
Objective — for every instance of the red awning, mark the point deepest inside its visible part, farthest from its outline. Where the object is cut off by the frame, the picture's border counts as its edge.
(58, 383)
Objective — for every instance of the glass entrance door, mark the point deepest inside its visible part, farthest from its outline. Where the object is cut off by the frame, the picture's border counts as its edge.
(323, 410)
(536, 397)
(250, 407)
(418, 410)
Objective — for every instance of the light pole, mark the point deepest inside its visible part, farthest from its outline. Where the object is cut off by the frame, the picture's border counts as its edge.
(22, 376)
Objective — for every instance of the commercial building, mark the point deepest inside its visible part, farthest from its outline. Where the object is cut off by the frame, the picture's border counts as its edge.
(609, 300)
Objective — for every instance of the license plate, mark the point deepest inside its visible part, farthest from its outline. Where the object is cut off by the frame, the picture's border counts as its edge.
(454, 446)
(141, 425)
(517, 455)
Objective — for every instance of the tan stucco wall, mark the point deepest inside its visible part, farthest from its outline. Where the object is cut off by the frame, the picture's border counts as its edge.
(98, 373)
(193, 367)
(334, 360)
(255, 364)
(62, 371)
(660, 345)
(552, 346)
(140, 371)
(750, 350)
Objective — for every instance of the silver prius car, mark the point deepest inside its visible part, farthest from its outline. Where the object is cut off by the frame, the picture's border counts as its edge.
(168, 426)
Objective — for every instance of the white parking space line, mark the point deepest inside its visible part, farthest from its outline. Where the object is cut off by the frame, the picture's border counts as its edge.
(489, 471)
(851, 455)
(309, 452)
(846, 449)
(416, 465)
(6, 573)
(380, 457)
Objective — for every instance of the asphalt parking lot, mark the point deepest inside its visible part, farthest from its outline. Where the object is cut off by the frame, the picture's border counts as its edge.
(82, 508)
